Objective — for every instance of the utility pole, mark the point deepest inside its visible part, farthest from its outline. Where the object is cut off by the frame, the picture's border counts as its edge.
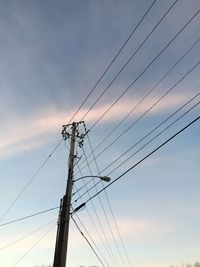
(60, 254)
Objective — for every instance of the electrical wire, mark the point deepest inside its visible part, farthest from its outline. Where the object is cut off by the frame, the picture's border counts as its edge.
(102, 228)
(125, 65)
(166, 128)
(147, 111)
(35, 244)
(144, 97)
(113, 60)
(149, 133)
(176, 35)
(30, 181)
(101, 203)
(25, 236)
(111, 211)
(87, 241)
(150, 139)
(144, 158)
(99, 236)
(169, 139)
(28, 216)
(109, 250)
(93, 223)
(140, 161)
(151, 107)
(147, 67)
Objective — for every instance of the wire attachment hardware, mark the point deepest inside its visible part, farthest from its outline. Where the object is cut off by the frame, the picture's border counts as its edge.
(79, 136)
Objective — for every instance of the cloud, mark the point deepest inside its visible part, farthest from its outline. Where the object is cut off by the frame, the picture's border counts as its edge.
(34, 132)
(20, 247)
(131, 230)
(48, 242)
(141, 229)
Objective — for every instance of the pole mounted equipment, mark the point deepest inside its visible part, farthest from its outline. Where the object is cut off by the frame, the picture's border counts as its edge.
(79, 137)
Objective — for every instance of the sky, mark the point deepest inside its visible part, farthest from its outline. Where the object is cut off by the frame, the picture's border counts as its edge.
(52, 55)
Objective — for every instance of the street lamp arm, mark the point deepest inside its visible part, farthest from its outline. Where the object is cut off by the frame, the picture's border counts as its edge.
(103, 178)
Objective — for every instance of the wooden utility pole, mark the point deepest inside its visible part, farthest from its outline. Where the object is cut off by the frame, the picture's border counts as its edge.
(64, 215)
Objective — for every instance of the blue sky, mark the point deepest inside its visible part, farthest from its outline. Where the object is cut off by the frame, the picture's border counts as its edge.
(52, 54)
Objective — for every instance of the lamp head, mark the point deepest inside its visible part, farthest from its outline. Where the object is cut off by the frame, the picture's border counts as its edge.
(105, 179)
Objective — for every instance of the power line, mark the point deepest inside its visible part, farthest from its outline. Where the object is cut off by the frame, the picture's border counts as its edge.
(25, 236)
(30, 181)
(102, 228)
(110, 252)
(154, 86)
(150, 139)
(101, 203)
(149, 133)
(87, 241)
(176, 35)
(132, 56)
(148, 155)
(140, 161)
(146, 68)
(147, 111)
(35, 244)
(111, 211)
(152, 106)
(145, 96)
(28, 216)
(113, 60)
(92, 221)
(156, 136)
(100, 224)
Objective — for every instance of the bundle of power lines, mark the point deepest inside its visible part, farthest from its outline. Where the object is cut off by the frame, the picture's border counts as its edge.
(110, 249)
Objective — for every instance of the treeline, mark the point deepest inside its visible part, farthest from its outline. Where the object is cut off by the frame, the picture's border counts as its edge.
(196, 264)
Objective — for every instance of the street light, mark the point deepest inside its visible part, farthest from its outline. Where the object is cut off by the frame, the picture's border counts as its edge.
(103, 178)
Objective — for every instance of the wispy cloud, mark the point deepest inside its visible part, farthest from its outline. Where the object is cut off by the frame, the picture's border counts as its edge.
(130, 229)
(20, 136)
(141, 229)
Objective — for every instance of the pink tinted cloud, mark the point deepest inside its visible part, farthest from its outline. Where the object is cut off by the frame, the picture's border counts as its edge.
(131, 230)
(21, 136)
